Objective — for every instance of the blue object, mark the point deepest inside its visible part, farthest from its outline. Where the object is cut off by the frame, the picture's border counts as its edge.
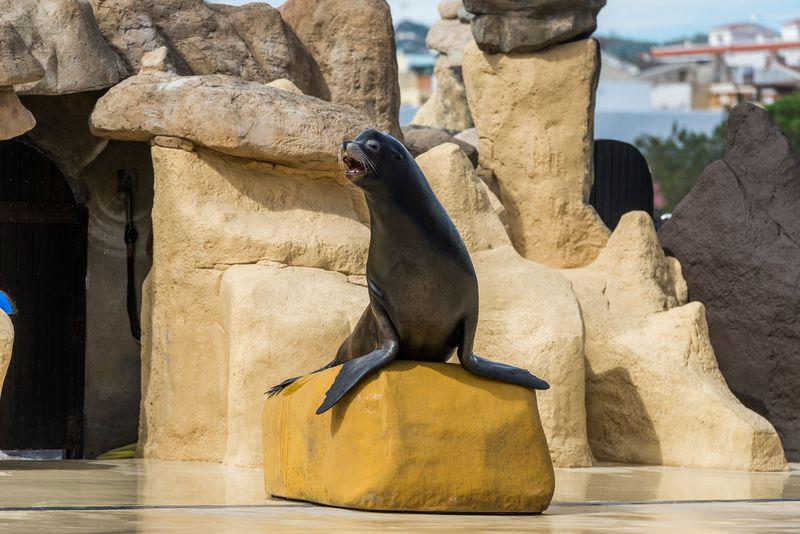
(7, 304)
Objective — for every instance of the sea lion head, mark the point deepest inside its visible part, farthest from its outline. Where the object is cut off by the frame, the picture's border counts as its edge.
(363, 157)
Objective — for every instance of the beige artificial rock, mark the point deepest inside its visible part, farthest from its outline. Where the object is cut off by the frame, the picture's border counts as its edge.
(453, 179)
(447, 107)
(156, 61)
(172, 142)
(353, 44)
(275, 46)
(17, 66)
(449, 37)
(448, 9)
(63, 36)
(212, 211)
(228, 115)
(534, 115)
(250, 41)
(529, 316)
(280, 322)
(6, 344)
(15, 119)
(654, 392)
(285, 85)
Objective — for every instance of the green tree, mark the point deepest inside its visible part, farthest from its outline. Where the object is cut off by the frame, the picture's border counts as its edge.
(786, 113)
(677, 161)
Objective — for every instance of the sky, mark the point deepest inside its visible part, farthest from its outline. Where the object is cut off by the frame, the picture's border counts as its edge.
(656, 20)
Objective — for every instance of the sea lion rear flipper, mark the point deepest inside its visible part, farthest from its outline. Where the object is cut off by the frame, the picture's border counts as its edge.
(489, 369)
(274, 390)
(353, 371)
(503, 372)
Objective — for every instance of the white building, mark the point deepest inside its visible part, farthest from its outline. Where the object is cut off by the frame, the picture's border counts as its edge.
(744, 32)
(744, 61)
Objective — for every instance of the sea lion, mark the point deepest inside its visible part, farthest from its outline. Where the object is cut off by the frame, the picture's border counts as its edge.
(423, 292)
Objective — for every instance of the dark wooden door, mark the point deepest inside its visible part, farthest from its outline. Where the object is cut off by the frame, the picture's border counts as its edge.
(43, 268)
(622, 181)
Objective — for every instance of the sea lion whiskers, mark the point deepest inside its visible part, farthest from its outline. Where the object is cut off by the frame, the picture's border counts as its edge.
(358, 154)
(354, 161)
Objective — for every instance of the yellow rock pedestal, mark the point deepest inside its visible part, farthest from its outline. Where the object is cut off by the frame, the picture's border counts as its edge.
(414, 437)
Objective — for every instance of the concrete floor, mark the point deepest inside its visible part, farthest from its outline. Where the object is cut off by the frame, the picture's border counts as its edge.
(176, 497)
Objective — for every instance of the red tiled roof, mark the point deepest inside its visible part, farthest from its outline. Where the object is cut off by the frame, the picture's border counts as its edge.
(672, 51)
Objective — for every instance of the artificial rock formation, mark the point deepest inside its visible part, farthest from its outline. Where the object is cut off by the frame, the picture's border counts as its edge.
(526, 26)
(654, 391)
(448, 9)
(737, 235)
(515, 326)
(534, 115)
(226, 114)
(309, 312)
(353, 45)
(415, 437)
(63, 36)
(420, 139)
(447, 107)
(6, 344)
(249, 41)
(17, 66)
(207, 362)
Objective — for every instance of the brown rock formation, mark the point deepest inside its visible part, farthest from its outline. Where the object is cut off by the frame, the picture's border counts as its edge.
(531, 25)
(737, 235)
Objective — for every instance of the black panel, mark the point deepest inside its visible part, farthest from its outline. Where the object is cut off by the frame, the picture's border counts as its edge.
(43, 268)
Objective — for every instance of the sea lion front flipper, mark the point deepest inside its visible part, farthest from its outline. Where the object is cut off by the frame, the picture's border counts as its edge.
(489, 369)
(354, 370)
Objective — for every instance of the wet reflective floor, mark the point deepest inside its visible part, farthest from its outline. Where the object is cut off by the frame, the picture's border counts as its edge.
(149, 496)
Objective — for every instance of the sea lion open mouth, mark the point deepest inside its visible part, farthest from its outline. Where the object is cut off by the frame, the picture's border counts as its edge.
(353, 168)
(354, 161)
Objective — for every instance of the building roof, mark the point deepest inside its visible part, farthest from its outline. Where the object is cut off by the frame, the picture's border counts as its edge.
(672, 51)
(774, 74)
(746, 25)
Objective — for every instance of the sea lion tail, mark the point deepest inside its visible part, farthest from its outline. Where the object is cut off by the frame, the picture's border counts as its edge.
(503, 372)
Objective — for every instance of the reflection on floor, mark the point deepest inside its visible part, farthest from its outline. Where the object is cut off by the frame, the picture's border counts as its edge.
(154, 496)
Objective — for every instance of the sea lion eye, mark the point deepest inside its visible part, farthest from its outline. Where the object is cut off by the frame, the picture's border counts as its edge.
(373, 145)
(397, 155)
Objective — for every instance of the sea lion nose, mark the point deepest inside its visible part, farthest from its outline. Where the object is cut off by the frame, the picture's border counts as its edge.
(344, 145)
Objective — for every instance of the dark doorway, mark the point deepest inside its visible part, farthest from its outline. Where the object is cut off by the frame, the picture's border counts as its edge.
(622, 181)
(43, 268)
